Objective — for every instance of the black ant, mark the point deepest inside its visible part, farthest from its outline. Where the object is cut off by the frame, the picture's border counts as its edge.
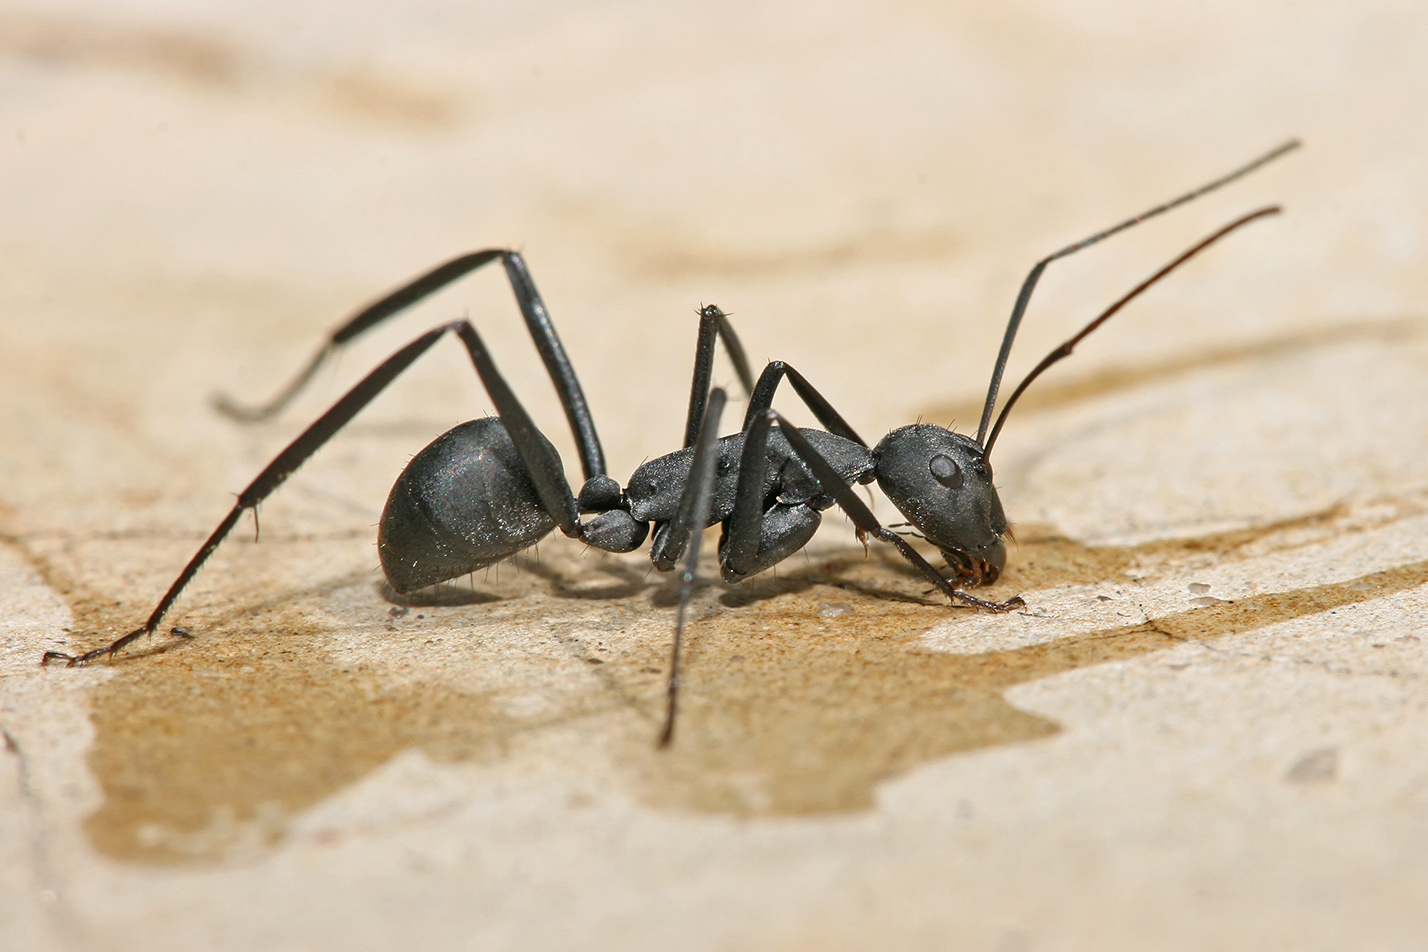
(490, 488)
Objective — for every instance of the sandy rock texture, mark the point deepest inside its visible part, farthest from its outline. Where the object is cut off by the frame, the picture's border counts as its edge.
(1205, 729)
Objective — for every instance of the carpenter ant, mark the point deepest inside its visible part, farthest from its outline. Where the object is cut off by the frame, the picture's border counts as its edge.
(490, 488)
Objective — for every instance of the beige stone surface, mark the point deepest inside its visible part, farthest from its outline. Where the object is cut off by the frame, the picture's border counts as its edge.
(1205, 731)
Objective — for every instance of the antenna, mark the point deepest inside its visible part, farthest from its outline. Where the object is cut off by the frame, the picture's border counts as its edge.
(1065, 349)
(1024, 296)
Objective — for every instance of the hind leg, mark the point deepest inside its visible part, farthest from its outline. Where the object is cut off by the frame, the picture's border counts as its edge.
(535, 454)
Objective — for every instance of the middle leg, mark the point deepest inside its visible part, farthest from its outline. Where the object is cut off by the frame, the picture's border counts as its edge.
(685, 534)
(712, 323)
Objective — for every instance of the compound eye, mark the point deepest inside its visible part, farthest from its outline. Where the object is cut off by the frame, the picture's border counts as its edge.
(946, 472)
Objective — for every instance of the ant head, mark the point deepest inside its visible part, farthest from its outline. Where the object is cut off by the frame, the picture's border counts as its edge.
(942, 483)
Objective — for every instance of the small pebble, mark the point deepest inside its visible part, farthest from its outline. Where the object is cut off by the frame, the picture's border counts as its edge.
(1317, 766)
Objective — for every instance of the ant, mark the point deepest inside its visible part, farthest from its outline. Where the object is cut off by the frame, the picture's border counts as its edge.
(490, 488)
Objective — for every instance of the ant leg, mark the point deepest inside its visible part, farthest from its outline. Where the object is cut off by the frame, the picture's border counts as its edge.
(533, 310)
(762, 399)
(543, 467)
(868, 524)
(713, 322)
(745, 526)
(541, 462)
(759, 533)
(685, 533)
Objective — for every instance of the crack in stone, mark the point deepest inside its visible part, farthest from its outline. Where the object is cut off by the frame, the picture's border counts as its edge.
(53, 895)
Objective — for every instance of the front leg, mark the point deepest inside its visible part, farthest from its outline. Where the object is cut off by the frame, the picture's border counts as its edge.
(868, 524)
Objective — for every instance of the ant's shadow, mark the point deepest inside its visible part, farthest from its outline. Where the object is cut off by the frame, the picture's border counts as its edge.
(606, 579)
(874, 574)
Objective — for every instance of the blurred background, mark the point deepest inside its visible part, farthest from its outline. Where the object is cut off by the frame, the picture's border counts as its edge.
(197, 191)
